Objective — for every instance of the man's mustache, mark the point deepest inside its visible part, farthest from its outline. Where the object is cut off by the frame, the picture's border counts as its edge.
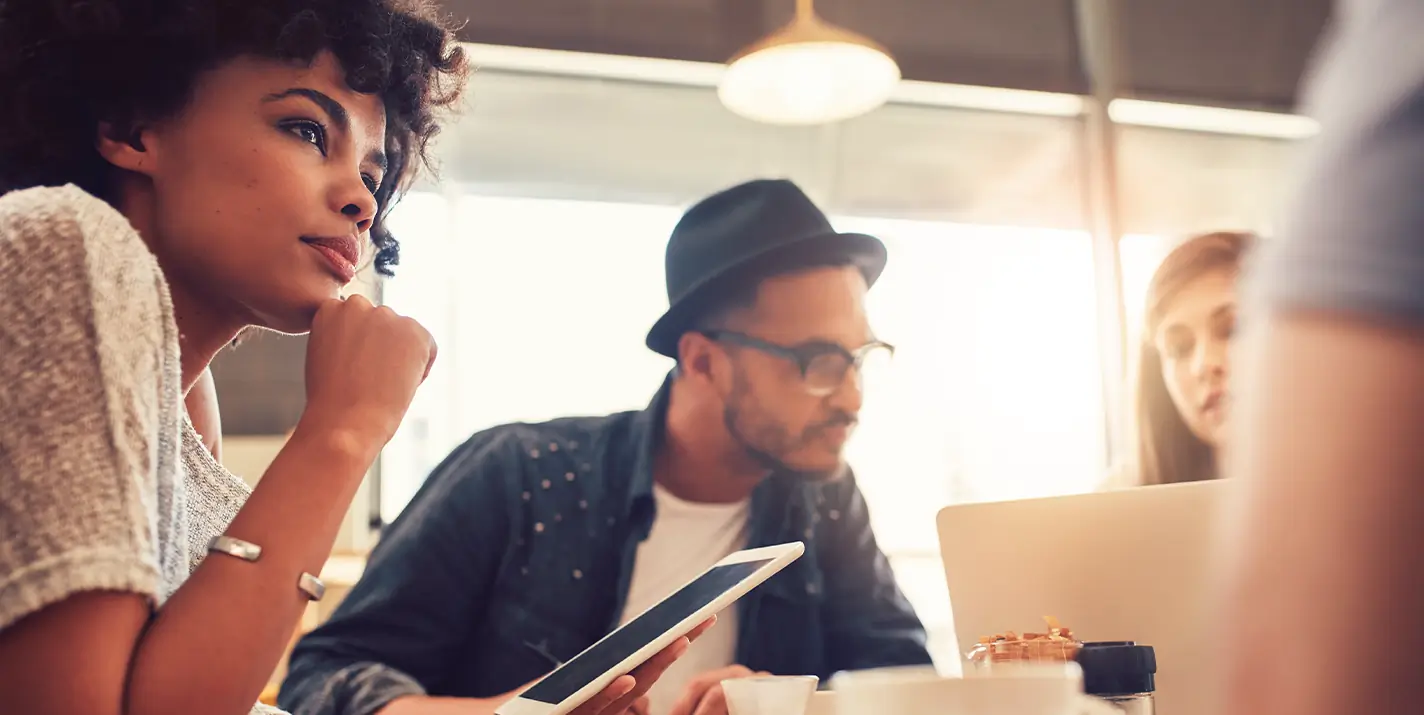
(840, 419)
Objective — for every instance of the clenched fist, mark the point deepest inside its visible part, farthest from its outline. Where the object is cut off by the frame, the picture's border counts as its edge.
(364, 364)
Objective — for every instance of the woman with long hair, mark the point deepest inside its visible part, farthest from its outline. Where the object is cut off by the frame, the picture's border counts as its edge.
(1183, 400)
(175, 172)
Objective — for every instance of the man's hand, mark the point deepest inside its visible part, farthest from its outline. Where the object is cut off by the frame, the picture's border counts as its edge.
(703, 695)
(625, 696)
(622, 695)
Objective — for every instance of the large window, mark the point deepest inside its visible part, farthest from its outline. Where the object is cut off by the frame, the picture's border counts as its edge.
(540, 270)
(995, 392)
(541, 307)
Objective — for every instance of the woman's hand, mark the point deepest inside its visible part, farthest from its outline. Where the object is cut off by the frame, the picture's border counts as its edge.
(363, 366)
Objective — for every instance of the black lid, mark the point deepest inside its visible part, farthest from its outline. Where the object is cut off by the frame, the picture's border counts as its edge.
(1118, 668)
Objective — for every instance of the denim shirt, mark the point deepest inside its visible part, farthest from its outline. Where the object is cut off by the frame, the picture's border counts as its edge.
(517, 554)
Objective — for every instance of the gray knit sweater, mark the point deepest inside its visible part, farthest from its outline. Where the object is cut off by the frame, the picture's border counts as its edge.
(103, 482)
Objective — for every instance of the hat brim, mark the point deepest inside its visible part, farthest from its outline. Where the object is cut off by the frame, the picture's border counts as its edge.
(864, 251)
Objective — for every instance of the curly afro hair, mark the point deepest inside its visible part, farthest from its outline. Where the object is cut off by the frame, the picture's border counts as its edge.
(68, 65)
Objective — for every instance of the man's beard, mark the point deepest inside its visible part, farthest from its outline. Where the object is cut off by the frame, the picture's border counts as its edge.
(750, 439)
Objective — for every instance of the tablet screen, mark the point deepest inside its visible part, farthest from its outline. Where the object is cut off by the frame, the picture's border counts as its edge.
(624, 642)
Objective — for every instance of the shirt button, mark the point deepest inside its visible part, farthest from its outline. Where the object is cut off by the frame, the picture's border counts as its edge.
(546, 484)
(553, 447)
(533, 454)
(568, 476)
(528, 496)
(538, 527)
(810, 588)
(578, 574)
(834, 515)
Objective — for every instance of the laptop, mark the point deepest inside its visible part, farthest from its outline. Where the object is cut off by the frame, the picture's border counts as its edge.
(1136, 564)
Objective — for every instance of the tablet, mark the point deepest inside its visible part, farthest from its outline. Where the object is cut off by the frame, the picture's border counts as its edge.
(619, 652)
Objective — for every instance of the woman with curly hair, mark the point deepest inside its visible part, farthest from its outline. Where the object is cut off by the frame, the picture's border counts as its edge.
(1183, 403)
(174, 172)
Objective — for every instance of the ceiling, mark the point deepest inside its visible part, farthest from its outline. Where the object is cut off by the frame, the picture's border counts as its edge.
(1240, 53)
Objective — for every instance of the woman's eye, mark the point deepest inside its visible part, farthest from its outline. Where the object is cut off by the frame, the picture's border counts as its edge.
(1177, 349)
(1226, 328)
(309, 132)
(371, 183)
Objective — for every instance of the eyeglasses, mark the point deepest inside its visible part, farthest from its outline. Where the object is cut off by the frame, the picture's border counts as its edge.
(823, 365)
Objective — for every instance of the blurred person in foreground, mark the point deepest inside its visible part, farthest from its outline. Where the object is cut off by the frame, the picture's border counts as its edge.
(1183, 400)
(1328, 579)
(532, 541)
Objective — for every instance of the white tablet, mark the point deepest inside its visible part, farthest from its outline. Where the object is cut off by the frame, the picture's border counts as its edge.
(619, 652)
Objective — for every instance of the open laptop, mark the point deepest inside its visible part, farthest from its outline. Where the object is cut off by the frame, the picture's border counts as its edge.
(1136, 564)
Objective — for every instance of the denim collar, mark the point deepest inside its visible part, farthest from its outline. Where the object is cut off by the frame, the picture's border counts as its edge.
(647, 430)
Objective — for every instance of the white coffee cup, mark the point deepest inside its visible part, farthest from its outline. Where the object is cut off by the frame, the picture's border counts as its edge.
(1029, 690)
(769, 695)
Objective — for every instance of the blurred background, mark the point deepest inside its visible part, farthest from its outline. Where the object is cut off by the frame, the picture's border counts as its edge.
(1027, 173)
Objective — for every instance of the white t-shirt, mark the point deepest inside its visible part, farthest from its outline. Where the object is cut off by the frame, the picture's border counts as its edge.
(686, 539)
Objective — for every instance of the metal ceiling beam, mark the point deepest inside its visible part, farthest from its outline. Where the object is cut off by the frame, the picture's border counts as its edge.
(1101, 55)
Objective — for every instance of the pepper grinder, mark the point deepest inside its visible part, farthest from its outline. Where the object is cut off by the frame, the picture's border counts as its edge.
(1122, 673)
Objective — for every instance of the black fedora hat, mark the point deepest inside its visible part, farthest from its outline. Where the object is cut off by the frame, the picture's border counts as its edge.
(751, 231)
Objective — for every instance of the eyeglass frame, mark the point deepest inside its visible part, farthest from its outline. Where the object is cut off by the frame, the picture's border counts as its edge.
(803, 355)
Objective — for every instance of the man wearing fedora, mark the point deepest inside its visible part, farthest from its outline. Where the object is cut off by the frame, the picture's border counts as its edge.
(531, 542)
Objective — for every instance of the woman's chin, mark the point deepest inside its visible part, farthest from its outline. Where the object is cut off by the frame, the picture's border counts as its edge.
(292, 310)
(294, 318)
(1213, 434)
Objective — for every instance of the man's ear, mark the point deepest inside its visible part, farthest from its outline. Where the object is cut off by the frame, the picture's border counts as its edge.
(123, 146)
(697, 357)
